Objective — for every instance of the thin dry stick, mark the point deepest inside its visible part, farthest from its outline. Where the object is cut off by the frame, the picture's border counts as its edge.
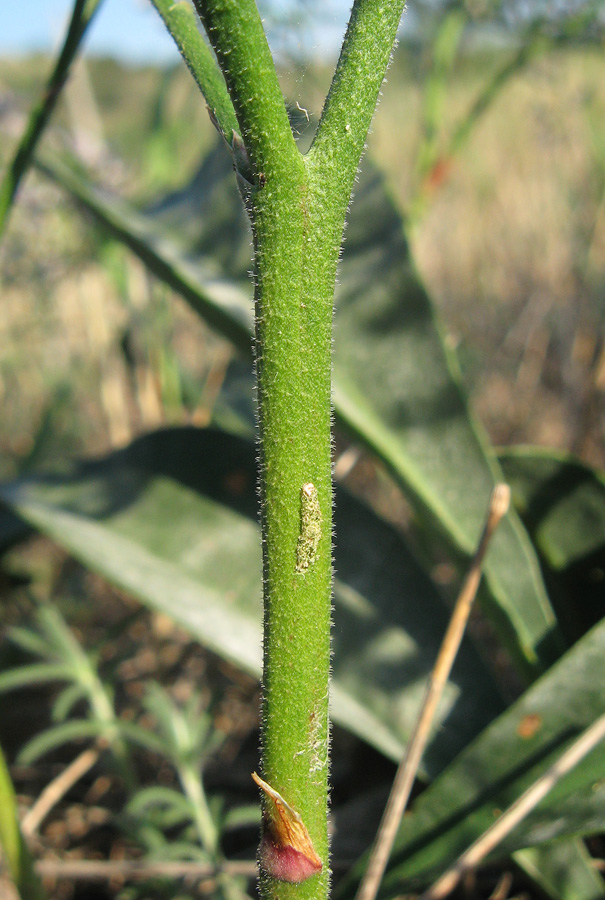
(100, 870)
(515, 813)
(404, 779)
(57, 789)
(346, 462)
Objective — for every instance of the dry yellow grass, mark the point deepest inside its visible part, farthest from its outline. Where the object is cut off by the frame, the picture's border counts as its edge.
(512, 247)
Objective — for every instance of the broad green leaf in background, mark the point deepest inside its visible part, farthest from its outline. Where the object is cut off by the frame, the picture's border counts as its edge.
(172, 519)
(563, 869)
(562, 504)
(500, 764)
(394, 387)
(12, 531)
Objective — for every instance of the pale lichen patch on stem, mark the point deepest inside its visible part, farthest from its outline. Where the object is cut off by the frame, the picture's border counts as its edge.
(310, 527)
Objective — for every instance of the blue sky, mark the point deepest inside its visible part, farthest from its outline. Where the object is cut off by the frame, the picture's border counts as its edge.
(130, 30)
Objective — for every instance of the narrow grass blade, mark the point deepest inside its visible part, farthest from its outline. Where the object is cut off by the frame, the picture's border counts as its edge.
(14, 849)
(81, 18)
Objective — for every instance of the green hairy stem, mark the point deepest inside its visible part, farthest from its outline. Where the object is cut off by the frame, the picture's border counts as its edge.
(297, 206)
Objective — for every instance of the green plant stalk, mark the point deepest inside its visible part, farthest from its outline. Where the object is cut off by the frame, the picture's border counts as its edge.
(530, 46)
(181, 22)
(14, 849)
(103, 711)
(293, 337)
(293, 328)
(82, 671)
(444, 51)
(297, 208)
(204, 823)
(81, 17)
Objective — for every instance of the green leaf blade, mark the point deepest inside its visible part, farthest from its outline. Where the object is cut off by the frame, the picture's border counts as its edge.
(500, 764)
(562, 503)
(172, 520)
(182, 23)
(564, 870)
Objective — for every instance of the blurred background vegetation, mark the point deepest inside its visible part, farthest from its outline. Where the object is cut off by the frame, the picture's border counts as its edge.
(491, 134)
(508, 234)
